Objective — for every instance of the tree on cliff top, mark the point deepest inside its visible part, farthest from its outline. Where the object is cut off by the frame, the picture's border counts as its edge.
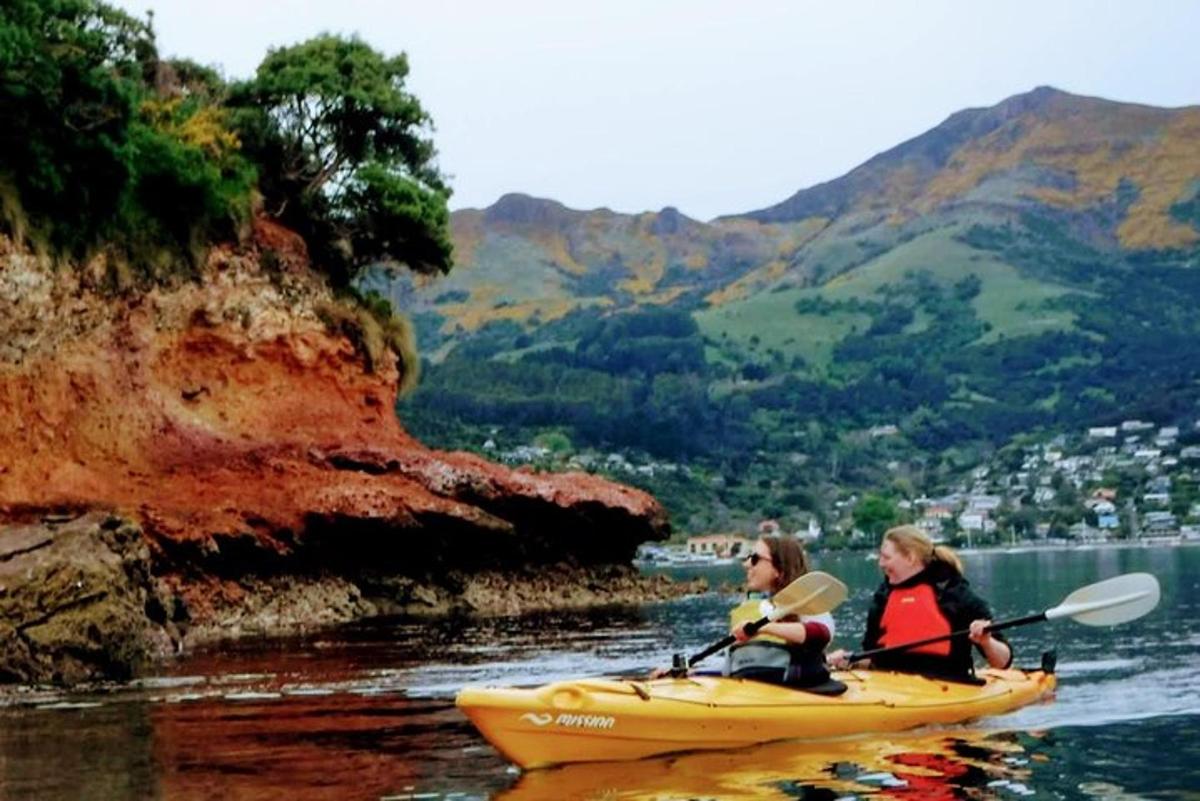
(345, 156)
(106, 146)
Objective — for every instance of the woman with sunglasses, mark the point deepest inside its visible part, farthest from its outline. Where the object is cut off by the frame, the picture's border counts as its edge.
(787, 651)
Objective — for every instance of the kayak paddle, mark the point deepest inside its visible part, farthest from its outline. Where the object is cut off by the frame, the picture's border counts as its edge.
(1105, 603)
(811, 594)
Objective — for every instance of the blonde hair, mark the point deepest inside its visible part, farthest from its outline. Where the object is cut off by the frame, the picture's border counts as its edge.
(789, 558)
(911, 541)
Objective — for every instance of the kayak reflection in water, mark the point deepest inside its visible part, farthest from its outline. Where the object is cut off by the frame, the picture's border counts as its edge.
(924, 594)
(786, 651)
(926, 767)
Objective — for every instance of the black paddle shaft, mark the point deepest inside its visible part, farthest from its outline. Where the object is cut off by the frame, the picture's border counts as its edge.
(751, 629)
(1004, 624)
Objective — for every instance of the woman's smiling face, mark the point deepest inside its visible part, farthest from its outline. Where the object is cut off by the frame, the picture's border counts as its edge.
(896, 564)
(761, 572)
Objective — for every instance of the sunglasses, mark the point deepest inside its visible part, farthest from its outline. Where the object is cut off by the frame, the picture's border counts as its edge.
(755, 558)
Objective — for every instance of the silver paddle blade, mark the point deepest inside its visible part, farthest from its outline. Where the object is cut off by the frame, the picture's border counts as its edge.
(1109, 602)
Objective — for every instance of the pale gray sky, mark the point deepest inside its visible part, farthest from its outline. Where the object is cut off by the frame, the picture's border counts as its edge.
(712, 107)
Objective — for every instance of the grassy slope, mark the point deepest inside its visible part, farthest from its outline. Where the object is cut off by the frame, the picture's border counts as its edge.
(1008, 301)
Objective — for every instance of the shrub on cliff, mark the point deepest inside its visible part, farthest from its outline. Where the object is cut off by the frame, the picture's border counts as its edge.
(98, 150)
(376, 331)
(67, 77)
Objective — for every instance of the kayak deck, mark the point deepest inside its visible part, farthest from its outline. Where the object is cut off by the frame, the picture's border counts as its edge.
(609, 719)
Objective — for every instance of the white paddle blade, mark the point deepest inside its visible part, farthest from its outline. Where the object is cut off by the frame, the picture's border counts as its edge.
(1109, 602)
(811, 594)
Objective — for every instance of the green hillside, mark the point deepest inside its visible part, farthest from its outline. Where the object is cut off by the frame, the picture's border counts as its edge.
(1023, 269)
(1008, 303)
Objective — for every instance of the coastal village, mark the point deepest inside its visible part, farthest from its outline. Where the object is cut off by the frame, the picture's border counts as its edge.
(1135, 481)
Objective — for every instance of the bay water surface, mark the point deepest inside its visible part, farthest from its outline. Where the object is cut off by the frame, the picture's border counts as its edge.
(367, 711)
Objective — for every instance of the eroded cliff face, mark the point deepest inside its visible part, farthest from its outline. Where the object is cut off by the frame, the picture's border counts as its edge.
(240, 423)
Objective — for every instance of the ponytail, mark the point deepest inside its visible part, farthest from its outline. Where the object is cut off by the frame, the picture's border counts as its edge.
(944, 553)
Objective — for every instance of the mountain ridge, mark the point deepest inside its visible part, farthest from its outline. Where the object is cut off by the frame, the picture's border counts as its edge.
(1112, 173)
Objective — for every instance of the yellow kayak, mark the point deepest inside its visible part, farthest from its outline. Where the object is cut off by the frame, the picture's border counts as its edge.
(592, 720)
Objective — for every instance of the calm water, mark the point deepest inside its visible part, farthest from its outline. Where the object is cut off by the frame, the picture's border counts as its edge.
(367, 712)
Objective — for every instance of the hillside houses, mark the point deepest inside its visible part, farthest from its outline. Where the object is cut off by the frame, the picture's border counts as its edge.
(1128, 480)
(1133, 480)
(1123, 481)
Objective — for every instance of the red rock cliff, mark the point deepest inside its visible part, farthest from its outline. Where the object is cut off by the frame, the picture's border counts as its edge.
(235, 419)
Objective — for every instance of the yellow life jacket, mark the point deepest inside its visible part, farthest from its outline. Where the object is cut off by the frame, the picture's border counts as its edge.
(797, 665)
(750, 610)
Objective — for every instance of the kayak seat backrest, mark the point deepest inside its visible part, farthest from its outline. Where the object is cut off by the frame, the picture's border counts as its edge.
(831, 687)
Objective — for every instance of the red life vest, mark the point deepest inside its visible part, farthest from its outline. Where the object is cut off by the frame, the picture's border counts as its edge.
(912, 613)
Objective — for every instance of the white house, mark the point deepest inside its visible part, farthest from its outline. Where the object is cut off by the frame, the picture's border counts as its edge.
(812, 533)
(1100, 506)
(1159, 523)
(972, 521)
(984, 503)
(931, 526)
(718, 545)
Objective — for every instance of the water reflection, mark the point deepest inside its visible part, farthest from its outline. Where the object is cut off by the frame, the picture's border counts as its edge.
(366, 712)
(316, 748)
(956, 765)
(83, 752)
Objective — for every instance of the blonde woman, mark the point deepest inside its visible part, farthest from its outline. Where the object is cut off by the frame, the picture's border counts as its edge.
(924, 594)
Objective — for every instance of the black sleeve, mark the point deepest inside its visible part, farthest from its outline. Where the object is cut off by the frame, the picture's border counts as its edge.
(972, 607)
(874, 615)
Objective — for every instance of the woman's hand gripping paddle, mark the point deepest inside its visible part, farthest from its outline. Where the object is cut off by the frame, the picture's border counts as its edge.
(811, 594)
(1105, 603)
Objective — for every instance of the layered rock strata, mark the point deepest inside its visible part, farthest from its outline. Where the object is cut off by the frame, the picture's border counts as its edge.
(237, 430)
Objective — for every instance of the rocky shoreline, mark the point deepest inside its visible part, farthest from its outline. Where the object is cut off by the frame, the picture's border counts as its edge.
(218, 455)
(79, 599)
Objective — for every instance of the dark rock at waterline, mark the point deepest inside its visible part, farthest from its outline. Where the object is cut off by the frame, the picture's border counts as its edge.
(288, 603)
(76, 600)
(552, 588)
(79, 600)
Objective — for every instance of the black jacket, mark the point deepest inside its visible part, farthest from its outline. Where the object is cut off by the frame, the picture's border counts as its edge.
(956, 600)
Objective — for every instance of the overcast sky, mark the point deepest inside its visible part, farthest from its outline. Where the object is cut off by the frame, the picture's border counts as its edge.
(711, 107)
